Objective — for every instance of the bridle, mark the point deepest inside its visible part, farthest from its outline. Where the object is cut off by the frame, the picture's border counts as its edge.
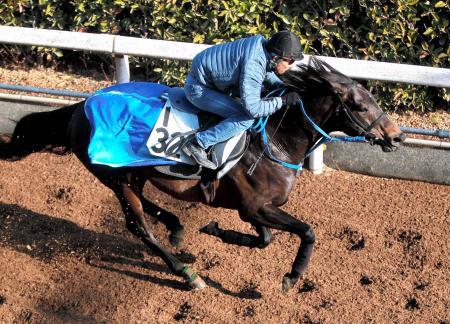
(355, 123)
(351, 121)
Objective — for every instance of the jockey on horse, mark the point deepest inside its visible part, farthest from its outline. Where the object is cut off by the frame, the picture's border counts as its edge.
(227, 80)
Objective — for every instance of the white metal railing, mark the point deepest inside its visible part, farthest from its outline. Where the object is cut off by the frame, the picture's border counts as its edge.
(122, 46)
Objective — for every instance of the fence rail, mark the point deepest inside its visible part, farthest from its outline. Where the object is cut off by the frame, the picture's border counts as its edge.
(122, 45)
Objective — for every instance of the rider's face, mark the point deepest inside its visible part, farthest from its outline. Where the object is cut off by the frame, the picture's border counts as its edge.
(283, 66)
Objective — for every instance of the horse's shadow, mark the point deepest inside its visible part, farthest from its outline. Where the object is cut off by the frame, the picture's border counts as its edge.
(44, 237)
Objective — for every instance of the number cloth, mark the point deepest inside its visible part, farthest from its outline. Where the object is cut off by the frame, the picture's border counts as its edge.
(122, 117)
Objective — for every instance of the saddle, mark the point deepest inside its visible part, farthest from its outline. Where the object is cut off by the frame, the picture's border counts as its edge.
(178, 121)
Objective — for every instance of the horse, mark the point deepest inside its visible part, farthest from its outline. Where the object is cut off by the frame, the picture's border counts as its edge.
(331, 102)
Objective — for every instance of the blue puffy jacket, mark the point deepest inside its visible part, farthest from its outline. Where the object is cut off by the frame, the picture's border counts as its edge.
(240, 68)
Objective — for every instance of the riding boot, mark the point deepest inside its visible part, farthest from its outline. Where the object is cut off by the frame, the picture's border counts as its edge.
(192, 149)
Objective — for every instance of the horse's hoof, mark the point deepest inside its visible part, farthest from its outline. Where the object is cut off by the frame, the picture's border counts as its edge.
(194, 281)
(211, 229)
(176, 237)
(287, 284)
(197, 284)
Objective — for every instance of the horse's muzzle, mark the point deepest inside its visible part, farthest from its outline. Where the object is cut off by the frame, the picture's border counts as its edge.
(388, 143)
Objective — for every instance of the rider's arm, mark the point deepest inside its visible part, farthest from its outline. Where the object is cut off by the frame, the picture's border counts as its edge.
(252, 77)
(272, 81)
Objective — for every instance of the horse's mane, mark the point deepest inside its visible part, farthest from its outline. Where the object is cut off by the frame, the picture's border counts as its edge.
(314, 76)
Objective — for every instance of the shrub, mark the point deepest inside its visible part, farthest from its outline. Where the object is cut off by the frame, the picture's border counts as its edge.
(402, 31)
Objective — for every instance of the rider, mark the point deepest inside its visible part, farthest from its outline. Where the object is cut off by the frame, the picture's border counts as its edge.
(227, 80)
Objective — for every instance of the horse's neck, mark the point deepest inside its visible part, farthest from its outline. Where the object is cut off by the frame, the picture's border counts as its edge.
(294, 136)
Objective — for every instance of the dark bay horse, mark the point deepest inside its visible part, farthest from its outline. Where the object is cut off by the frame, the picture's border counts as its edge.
(332, 100)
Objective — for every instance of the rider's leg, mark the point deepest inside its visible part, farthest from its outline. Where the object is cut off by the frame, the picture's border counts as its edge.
(235, 120)
(212, 100)
(223, 131)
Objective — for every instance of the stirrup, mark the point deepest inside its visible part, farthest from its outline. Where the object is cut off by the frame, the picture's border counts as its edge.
(203, 161)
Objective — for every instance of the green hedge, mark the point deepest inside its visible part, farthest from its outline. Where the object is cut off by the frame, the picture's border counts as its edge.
(403, 31)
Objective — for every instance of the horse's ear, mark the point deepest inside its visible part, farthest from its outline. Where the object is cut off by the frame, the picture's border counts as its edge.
(337, 82)
(324, 66)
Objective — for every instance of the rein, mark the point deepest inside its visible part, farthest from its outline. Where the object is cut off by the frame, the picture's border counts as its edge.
(260, 127)
(326, 138)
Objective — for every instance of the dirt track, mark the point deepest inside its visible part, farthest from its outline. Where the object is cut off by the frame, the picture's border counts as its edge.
(382, 254)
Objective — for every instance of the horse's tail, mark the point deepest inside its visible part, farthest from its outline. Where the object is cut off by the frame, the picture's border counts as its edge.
(39, 131)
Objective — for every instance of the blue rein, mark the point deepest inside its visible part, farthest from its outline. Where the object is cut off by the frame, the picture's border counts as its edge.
(260, 127)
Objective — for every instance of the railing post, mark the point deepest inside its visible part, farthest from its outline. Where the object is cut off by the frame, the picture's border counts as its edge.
(315, 163)
(122, 68)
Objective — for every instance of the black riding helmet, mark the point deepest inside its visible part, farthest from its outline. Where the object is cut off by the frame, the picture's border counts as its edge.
(285, 44)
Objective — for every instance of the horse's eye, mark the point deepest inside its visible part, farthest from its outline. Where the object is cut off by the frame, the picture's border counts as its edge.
(361, 109)
(357, 108)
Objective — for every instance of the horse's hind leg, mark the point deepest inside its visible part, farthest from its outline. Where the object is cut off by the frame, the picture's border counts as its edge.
(129, 197)
(171, 221)
(232, 237)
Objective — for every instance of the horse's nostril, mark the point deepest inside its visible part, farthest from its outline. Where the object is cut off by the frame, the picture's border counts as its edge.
(399, 139)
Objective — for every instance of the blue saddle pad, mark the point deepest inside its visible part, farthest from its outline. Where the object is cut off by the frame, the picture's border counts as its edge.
(122, 117)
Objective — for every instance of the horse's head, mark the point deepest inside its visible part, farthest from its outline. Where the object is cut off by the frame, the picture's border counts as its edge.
(355, 110)
(359, 115)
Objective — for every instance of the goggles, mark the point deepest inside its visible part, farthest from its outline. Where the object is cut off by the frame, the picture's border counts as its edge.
(288, 59)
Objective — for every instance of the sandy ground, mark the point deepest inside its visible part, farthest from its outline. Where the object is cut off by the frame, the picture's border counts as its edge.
(381, 255)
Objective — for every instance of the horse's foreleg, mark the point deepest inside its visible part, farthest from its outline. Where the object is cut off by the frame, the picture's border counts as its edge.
(171, 221)
(138, 225)
(233, 237)
(274, 217)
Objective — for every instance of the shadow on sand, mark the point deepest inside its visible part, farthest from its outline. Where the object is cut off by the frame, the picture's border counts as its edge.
(45, 237)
